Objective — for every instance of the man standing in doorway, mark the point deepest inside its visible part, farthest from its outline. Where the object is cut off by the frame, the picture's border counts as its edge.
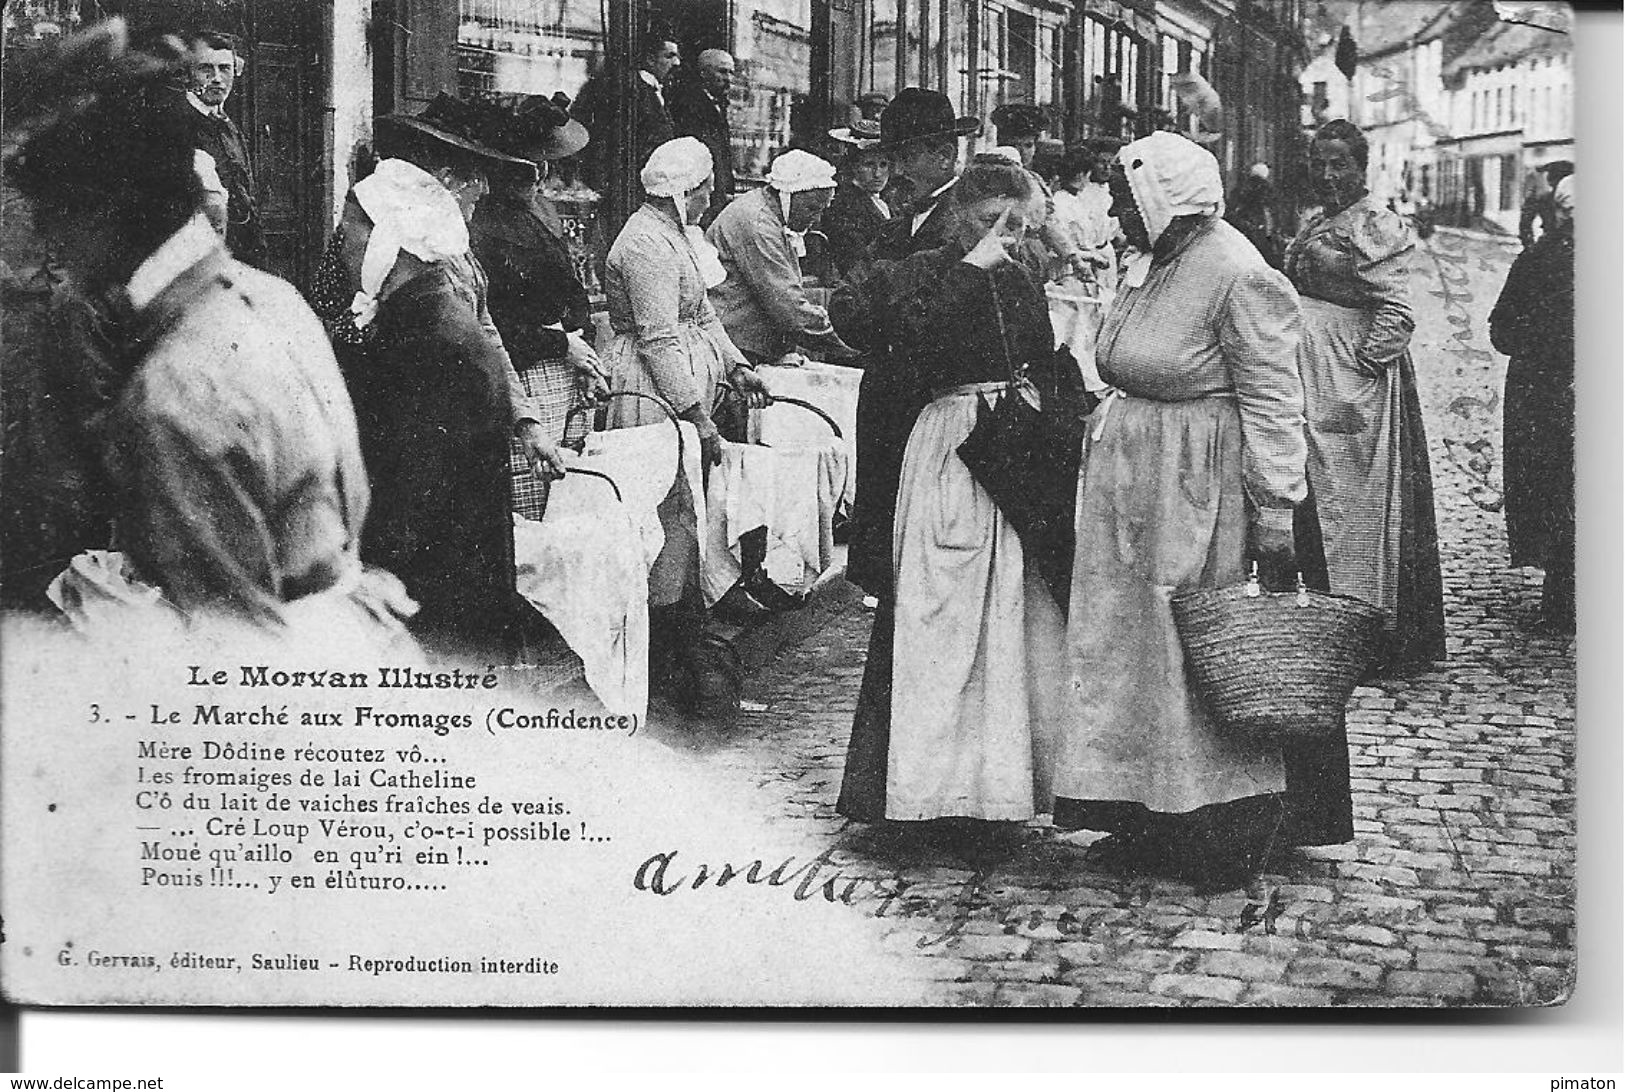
(224, 166)
(651, 119)
(699, 108)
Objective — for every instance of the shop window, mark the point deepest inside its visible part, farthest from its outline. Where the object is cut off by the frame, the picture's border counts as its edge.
(1509, 183)
(772, 49)
(880, 48)
(517, 47)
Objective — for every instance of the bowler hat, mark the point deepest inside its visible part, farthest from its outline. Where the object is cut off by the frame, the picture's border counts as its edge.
(454, 125)
(918, 114)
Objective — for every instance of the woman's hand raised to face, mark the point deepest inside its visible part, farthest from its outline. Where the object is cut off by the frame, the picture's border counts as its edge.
(994, 247)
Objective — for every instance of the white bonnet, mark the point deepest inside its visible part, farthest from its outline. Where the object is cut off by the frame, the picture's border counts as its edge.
(1171, 176)
(1563, 194)
(676, 167)
(796, 171)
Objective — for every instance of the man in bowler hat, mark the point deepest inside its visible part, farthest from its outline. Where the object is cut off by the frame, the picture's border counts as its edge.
(920, 133)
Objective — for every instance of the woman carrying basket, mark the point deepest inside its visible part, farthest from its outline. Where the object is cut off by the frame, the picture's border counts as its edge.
(1192, 464)
(669, 344)
(536, 298)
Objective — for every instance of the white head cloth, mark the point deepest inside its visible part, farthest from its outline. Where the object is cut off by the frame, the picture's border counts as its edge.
(410, 210)
(794, 172)
(1563, 194)
(1170, 176)
(675, 168)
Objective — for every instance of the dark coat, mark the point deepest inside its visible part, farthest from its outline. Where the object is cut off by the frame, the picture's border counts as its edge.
(889, 400)
(223, 141)
(1533, 323)
(595, 108)
(433, 402)
(695, 113)
(850, 223)
(533, 281)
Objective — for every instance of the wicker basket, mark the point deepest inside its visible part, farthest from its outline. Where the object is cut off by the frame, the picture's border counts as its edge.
(1276, 665)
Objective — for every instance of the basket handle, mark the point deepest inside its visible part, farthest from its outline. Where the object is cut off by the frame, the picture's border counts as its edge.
(600, 475)
(665, 407)
(780, 399)
(776, 399)
(1255, 589)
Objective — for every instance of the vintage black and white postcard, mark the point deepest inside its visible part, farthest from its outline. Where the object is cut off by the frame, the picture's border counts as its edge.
(1033, 503)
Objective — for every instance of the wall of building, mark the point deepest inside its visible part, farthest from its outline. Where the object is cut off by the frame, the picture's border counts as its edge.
(349, 101)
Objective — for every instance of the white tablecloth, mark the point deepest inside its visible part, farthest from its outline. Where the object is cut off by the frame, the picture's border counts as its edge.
(830, 387)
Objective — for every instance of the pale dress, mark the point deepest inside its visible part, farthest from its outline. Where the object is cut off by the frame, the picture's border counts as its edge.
(1211, 414)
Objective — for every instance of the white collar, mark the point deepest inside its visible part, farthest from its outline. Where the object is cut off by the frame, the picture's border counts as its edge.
(178, 253)
(204, 108)
(649, 78)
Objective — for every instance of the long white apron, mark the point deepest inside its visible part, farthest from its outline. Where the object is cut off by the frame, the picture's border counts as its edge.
(1160, 509)
(978, 646)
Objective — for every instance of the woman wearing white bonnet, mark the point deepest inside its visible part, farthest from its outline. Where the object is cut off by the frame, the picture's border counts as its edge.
(761, 238)
(667, 339)
(1192, 464)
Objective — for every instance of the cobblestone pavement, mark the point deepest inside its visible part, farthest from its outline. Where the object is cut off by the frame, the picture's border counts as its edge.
(1459, 887)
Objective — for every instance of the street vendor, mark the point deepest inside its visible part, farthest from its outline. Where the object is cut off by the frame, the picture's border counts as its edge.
(760, 239)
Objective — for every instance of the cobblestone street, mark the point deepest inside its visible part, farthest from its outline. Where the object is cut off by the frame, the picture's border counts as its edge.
(1459, 887)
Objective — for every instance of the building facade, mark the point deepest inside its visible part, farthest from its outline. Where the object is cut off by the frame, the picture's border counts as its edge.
(1459, 106)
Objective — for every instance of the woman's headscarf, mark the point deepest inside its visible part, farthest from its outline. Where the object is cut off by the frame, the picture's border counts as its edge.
(1171, 176)
(795, 172)
(1563, 195)
(410, 210)
(675, 168)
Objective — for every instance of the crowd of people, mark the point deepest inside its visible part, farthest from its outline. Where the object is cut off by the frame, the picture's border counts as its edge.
(1231, 407)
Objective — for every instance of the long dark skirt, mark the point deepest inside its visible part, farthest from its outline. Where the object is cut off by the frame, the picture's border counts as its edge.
(1418, 635)
(863, 783)
(887, 409)
(1538, 459)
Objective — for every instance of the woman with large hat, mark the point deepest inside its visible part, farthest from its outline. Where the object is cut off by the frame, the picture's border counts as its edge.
(436, 395)
(536, 298)
(859, 209)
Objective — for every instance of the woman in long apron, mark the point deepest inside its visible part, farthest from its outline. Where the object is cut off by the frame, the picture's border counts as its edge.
(976, 659)
(667, 341)
(1370, 483)
(1192, 464)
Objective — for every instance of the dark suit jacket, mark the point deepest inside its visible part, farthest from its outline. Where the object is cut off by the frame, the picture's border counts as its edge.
(695, 113)
(890, 398)
(595, 108)
(220, 137)
(850, 224)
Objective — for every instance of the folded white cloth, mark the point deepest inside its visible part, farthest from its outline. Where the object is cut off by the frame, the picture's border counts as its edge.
(792, 492)
(582, 568)
(830, 387)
